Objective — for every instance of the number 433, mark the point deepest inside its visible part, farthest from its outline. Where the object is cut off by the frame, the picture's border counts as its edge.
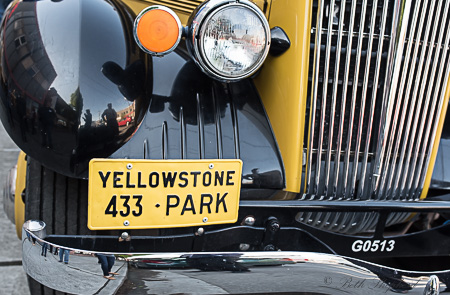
(124, 200)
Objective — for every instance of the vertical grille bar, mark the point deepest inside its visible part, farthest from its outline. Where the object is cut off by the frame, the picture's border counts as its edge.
(413, 101)
(344, 97)
(374, 119)
(373, 100)
(416, 144)
(410, 140)
(401, 101)
(441, 88)
(334, 97)
(398, 32)
(324, 99)
(353, 101)
(314, 94)
(364, 94)
(367, 115)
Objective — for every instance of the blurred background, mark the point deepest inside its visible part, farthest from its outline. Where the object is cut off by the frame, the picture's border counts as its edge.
(12, 276)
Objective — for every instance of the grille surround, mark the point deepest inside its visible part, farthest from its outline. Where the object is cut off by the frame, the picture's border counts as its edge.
(374, 109)
(379, 157)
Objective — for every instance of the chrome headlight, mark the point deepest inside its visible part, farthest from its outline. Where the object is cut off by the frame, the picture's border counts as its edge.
(229, 40)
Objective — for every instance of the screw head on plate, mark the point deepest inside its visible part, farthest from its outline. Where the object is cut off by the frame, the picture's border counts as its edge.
(126, 223)
(129, 166)
(211, 166)
(205, 219)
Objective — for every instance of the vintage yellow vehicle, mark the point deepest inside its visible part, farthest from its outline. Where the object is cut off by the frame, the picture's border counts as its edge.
(229, 146)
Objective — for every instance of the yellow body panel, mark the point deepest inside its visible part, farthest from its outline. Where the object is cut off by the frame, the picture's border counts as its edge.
(283, 84)
(19, 205)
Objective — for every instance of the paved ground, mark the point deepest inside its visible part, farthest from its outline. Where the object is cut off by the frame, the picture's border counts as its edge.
(12, 276)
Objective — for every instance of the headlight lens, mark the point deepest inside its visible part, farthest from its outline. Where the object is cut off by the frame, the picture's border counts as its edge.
(232, 41)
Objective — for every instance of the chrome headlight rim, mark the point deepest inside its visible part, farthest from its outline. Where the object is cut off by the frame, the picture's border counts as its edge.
(197, 26)
(138, 19)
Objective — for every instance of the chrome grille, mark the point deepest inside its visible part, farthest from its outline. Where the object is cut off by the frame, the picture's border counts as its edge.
(378, 75)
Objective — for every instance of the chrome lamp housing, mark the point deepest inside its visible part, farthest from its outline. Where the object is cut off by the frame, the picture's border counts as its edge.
(228, 40)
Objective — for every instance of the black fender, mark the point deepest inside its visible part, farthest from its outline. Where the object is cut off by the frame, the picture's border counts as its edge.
(62, 60)
(177, 111)
(192, 116)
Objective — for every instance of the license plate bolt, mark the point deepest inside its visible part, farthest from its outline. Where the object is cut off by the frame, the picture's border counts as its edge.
(249, 220)
(200, 231)
(211, 166)
(205, 219)
(129, 166)
(126, 223)
(244, 247)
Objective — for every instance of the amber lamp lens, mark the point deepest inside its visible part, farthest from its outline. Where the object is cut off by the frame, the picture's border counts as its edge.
(158, 30)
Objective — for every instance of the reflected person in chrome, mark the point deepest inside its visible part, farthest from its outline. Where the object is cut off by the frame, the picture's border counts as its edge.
(64, 254)
(107, 262)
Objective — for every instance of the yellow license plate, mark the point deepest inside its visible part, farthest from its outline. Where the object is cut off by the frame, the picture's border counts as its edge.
(137, 194)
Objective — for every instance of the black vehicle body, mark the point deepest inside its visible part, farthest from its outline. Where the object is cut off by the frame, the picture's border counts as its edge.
(60, 59)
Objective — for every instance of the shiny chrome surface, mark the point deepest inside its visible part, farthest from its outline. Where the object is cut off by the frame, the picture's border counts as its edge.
(219, 272)
(312, 123)
(402, 84)
(420, 81)
(196, 29)
(333, 100)
(433, 286)
(343, 97)
(9, 190)
(373, 99)
(420, 150)
(386, 97)
(398, 33)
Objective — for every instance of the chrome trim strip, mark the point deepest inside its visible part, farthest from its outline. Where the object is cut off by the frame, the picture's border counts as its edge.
(398, 32)
(344, 96)
(333, 101)
(324, 103)
(310, 188)
(405, 100)
(410, 140)
(372, 103)
(220, 272)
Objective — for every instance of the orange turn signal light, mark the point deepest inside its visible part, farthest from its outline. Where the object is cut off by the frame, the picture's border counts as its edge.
(157, 30)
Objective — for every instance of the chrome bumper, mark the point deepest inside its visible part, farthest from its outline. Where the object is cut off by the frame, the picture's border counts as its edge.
(217, 273)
